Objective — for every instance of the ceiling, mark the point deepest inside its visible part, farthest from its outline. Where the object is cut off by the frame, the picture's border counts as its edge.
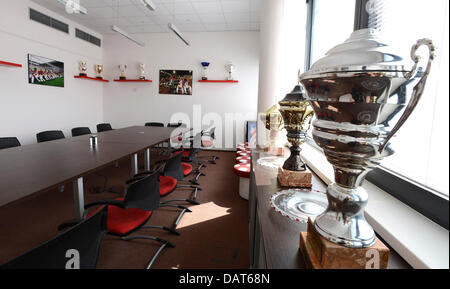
(188, 15)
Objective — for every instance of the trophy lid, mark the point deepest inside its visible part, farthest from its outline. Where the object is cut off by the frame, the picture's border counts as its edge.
(364, 51)
(296, 95)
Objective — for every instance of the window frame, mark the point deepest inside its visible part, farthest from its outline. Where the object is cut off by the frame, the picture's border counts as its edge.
(424, 200)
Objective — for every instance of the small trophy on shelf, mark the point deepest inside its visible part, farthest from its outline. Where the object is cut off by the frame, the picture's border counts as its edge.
(98, 71)
(122, 69)
(204, 72)
(82, 68)
(142, 68)
(230, 68)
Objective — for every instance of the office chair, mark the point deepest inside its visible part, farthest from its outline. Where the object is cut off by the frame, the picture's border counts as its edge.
(129, 214)
(171, 174)
(77, 131)
(174, 124)
(49, 135)
(9, 142)
(189, 156)
(103, 127)
(76, 248)
(207, 143)
(157, 124)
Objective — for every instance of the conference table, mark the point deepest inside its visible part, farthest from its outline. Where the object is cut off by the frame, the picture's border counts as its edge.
(43, 166)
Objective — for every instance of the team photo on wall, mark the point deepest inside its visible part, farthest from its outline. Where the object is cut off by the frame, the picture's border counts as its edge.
(45, 71)
(175, 82)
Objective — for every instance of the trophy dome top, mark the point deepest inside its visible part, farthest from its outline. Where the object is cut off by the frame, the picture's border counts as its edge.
(363, 51)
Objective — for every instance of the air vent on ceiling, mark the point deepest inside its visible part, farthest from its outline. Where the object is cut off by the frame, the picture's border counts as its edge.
(88, 37)
(49, 21)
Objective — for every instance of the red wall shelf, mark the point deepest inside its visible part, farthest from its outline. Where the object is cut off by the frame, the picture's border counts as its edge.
(10, 64)
(91, 78)
(133, 80)
(221, 81)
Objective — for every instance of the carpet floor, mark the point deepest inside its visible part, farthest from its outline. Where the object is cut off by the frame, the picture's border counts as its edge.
(213, 236)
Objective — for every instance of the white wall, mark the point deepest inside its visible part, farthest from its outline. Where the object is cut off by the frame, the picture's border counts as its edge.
(26, 109)
(127, 104)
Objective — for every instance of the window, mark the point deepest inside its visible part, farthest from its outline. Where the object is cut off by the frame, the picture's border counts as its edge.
(330, 28)
(422, 144)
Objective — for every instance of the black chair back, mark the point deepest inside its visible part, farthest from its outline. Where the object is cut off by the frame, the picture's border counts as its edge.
(173, 167)
(158, 124)
(77, 131)
(144, 193)
(9, 142)
(104, 127)
(49, 135)
(79, 245)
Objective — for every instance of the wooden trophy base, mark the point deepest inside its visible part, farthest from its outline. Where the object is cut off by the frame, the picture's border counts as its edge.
(320, 253)
(289, 178)
(276, 151)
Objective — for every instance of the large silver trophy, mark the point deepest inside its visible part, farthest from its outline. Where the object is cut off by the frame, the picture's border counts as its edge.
(360, 93)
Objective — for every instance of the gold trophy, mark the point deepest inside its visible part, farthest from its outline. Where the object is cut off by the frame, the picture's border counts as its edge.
(98, 71)
(297, 116)
(122, 69)
(82, 68)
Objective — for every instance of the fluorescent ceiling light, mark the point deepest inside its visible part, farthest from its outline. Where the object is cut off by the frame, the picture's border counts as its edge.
(149, 4)
(125, 34)
(73, 6)
(178, 33)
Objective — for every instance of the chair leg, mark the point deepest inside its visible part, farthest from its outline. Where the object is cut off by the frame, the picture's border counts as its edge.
(164, 244)
(212, 160)
(191, 201)
(183, 210)
(173, 231)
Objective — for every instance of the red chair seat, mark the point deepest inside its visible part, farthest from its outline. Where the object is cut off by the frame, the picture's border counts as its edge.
(185, 153)
(122, 221)
(166, 185)
(207, 143)
(242, 170)
(187, 168)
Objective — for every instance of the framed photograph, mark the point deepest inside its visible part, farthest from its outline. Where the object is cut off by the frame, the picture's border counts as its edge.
(45, 71)
(250, 136)
(175, 82)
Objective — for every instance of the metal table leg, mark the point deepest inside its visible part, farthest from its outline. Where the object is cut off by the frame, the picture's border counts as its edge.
(147, 159)
(78, 202)
(134, 165)
(78, 197)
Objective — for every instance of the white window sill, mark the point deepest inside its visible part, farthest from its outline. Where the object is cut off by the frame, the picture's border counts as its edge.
(420, 241)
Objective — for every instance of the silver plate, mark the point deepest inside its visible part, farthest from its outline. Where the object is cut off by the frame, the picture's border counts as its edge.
(271, 162)
(299, 204)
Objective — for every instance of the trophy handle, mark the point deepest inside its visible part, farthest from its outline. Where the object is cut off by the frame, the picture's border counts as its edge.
(418, 89)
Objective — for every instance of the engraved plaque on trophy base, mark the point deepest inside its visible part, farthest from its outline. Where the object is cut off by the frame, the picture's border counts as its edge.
(82, 74)
(122, 78)
(300, 179)
(320, 253)
(276, 151)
